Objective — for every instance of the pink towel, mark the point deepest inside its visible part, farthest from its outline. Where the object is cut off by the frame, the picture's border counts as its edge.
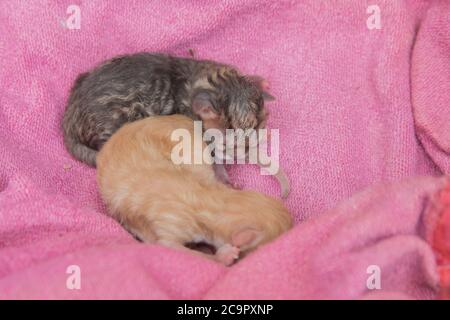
(362, 112)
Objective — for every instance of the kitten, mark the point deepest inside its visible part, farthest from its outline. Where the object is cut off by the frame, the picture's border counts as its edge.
(132, 87)
(174, 205)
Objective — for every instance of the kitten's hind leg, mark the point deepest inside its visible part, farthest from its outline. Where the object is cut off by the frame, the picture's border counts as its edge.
(225, 254)
(174, 233)
(79, 150)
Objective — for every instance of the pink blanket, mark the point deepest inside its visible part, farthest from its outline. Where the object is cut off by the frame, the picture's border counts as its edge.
(362, 112)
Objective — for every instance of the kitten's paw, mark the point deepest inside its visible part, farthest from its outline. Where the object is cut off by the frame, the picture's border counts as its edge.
(227, 253)
(233, 185)
(236, 185)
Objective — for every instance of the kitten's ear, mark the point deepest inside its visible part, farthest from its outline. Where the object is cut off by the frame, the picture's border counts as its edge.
(203, 107)
(263, 85)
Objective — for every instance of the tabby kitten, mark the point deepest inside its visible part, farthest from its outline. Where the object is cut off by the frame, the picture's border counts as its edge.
(132, 87)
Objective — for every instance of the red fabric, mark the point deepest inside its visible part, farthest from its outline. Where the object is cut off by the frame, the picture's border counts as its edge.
(441, 243)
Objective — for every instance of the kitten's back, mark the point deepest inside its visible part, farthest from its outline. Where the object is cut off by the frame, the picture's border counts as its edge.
(136, 161)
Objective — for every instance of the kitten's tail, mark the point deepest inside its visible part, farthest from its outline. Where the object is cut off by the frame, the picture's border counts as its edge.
(80, 151)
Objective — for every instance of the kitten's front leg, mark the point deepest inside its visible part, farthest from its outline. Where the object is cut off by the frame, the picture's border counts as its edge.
(222, 175)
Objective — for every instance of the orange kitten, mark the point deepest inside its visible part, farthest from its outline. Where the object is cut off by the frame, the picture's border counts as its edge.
(174, 205)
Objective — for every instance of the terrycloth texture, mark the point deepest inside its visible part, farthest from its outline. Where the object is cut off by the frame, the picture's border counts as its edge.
(355, 107)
